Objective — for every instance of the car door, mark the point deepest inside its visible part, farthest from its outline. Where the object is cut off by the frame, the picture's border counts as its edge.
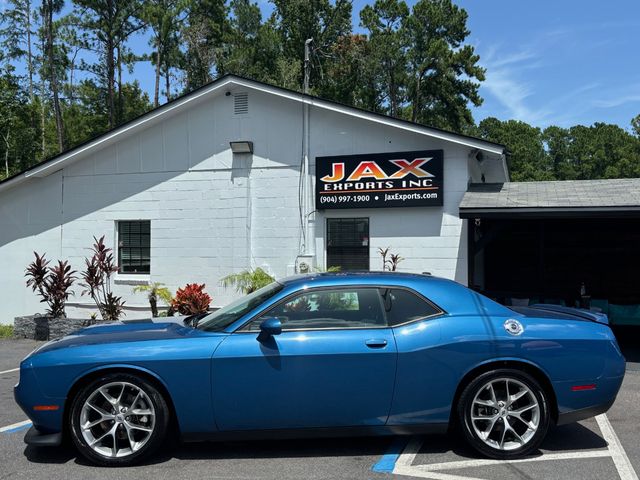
(333, 365)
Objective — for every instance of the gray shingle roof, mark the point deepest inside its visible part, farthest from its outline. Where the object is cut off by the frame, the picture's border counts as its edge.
(616, 194)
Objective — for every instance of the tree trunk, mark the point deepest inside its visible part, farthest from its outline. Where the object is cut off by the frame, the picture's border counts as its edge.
(6, 154)
(42, 116)
(110, 50)
(53, 78)
(29, 53)
(167, 82)
(153, 301)
(156, 93)
(120, 110)
(416, 100)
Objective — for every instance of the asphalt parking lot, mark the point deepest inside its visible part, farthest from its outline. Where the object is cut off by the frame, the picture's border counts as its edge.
(606, 447)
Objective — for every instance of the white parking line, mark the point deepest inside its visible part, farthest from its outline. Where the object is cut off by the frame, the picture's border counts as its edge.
(15, 426)
(620, 459)
(434, 471)
(540, 458)
(9, 371)
(409, 453)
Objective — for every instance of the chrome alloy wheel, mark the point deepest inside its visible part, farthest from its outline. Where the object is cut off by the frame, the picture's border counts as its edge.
(505, 414)
(117, 419)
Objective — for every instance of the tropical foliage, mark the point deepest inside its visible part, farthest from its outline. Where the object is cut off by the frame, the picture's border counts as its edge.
(390, 261)
(155, 291)
(97, 281)
(52, 284)
(191, 300)
(247, 281)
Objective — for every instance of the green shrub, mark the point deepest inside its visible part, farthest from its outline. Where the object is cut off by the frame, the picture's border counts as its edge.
(6, 331)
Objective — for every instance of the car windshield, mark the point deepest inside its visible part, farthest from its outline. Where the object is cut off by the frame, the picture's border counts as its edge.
(221, 319)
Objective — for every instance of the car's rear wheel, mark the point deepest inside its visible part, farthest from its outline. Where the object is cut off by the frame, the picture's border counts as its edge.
(118, 419)
(504, 413)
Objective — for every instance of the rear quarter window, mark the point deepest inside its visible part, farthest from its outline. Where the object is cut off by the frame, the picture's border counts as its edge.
(403, 306)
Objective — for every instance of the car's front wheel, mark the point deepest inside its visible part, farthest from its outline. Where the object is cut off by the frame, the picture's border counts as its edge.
(118, 419)
(504, 413)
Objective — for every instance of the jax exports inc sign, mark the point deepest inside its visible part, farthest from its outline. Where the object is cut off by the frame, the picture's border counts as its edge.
(400, 179)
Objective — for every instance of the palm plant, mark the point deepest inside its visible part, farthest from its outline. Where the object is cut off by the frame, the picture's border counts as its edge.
(155, 291)
(247, 281)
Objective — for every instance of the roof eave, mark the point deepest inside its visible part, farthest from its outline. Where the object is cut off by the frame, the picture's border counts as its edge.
(546, 212)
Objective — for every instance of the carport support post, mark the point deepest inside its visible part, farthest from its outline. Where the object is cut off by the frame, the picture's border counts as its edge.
(471, 259)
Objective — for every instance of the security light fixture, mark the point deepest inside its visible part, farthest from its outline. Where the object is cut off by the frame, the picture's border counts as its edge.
(241, 147)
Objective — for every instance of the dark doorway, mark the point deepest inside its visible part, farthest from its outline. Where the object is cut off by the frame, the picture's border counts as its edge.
(548, 260)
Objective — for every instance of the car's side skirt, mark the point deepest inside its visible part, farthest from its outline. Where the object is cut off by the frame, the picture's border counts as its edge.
(282, 434)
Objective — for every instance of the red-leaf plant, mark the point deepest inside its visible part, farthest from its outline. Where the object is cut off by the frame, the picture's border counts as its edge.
(52, 283)
(97, 281)
(191, 300)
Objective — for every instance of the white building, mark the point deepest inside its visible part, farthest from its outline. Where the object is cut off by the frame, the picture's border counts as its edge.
(169, 182)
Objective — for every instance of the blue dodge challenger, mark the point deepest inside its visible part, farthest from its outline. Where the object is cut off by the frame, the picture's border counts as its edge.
(325, 354)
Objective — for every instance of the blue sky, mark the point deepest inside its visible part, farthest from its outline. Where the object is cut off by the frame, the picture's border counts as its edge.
(558, 62)
(561, 62)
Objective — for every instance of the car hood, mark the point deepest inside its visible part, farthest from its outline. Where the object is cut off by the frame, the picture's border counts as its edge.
(126, 331)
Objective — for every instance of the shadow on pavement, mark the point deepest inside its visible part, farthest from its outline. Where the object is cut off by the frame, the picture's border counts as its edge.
(342, 447)
(573, 437)
(568, 437)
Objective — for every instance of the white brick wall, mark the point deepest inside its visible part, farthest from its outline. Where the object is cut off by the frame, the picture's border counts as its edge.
(213, 213)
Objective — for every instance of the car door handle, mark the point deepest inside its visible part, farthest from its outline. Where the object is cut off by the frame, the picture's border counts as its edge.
(376, 343)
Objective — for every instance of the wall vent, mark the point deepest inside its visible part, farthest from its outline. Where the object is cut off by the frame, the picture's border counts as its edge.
(241, 103)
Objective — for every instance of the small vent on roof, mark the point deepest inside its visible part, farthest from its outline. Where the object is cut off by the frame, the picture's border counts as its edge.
(241, 103)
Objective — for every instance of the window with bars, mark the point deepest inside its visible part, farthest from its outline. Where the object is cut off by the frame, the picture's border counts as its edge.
(134, 246)
(348, 243)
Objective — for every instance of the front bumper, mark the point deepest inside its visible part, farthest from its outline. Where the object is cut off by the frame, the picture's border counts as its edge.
(27, 394)
(36, 438)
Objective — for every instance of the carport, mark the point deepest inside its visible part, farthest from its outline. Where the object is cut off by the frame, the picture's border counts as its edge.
(543, 241)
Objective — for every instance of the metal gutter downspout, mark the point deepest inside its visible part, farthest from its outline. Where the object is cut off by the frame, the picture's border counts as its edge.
(308, 210)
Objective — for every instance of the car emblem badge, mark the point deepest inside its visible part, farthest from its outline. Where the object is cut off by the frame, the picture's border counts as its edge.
(513, 327)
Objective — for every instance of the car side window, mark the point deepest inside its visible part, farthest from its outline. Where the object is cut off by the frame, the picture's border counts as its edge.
(402, 306)
(330, 308)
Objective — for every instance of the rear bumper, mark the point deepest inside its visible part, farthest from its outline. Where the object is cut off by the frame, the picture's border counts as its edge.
(584, 413)
(36, 438)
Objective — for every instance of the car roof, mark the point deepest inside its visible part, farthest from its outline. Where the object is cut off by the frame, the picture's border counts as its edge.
(360, 277)
(450, 296)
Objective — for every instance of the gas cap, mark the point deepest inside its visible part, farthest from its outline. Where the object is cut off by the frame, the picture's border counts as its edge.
(513, 327)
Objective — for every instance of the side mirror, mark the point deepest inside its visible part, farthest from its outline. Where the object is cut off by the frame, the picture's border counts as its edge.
(269, 327)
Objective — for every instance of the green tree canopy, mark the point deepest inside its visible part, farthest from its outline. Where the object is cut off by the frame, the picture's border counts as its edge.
(527, 158)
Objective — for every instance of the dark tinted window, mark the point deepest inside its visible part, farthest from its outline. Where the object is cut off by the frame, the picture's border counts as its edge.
(331, 308)
(348, 243)
(134, 246)
(402, 306)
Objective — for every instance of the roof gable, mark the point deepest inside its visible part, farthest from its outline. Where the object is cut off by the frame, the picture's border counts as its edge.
(58, 162)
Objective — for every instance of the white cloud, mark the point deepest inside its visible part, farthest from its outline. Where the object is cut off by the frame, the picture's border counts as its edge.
(503, 83)
(618, 100)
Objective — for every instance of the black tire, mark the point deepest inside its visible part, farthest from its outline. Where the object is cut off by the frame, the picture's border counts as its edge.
(153, 441)
(466, 408)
